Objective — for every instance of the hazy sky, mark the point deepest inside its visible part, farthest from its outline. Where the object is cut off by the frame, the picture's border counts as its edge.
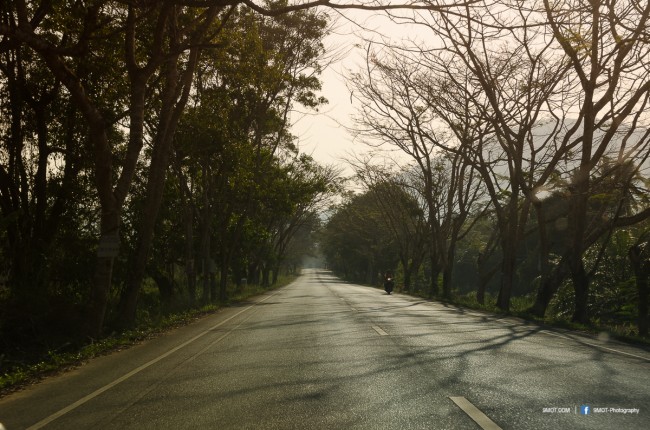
(324, 134)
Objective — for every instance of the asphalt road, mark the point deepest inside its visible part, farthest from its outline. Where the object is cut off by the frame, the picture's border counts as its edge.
(322, 354)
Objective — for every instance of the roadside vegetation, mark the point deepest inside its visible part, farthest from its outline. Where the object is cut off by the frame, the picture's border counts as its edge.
(523, 174)
(147, 168)
(151, 323)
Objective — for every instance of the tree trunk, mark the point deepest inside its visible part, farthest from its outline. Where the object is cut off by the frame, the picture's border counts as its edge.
(507, 273)
(206, 264)
(213, 286)
(408, 269)
(577, 220)
(276, 274)
(508, 228)
(548, 288)
(448, 270)
(435, 270)
(99, 294)
(581, 290)
(154, 196)
(223, 281)
(165, 286)
(109, 227)
(483, 276)
(433, 285)
(266, 271)
(545, 292)
(254, 273)
(190, 272)
(641, 269)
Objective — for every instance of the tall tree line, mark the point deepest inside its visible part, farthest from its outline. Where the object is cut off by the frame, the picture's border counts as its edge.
(162, 129)
(543, 106)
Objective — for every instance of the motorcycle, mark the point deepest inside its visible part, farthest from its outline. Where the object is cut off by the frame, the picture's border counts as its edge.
(388, 285)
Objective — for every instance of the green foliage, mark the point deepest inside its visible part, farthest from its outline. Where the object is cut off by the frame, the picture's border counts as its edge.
(356, 241)
(235, 163)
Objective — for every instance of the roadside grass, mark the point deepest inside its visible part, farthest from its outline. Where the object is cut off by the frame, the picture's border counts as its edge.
(519, 305)
(149, 327)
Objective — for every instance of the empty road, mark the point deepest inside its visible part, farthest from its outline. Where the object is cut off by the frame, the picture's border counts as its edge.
(323, 354)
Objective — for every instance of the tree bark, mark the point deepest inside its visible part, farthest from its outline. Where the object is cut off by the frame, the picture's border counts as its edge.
(174, 98)
(190, 272)
(206, 234)
(581, 290)
(641, 269)
(549, 286)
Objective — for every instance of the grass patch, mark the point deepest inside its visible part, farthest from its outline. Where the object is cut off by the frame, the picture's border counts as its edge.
(53, 362)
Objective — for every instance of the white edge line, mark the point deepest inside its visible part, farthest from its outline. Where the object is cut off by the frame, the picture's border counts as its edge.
(135, 371)
(593, 344)
(475, 413)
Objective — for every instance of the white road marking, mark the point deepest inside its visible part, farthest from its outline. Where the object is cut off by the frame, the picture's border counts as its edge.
(137, 370)
(594, 344)
(616, 351)
(379, 330)
(475, 413)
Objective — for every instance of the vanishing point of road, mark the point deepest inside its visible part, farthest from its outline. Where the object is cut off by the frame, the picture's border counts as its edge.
(324, 354)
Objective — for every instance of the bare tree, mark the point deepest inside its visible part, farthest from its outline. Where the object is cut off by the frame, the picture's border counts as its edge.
(553, 90)
(608, 46)
(396, 112)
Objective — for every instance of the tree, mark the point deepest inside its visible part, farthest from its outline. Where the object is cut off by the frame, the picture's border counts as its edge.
(43, 173)
(307, 188)
(639, 255)
(355, 242)
(607, 46)
(404, 218)
(248, 89)
(506, 83)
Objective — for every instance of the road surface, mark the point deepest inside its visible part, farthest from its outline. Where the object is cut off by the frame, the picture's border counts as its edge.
(323, 354)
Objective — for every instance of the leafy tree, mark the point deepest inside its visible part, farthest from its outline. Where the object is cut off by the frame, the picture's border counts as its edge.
(398, 196)
(45, 204)
(356, 242)
(639, 255)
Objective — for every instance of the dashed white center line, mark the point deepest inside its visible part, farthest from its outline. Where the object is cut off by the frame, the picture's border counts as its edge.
(379, 330)
(475, 413)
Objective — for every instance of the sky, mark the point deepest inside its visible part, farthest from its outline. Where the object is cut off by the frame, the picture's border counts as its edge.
(324, 134)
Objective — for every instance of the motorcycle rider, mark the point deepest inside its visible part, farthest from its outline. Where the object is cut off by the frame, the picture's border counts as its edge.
(388, 281)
